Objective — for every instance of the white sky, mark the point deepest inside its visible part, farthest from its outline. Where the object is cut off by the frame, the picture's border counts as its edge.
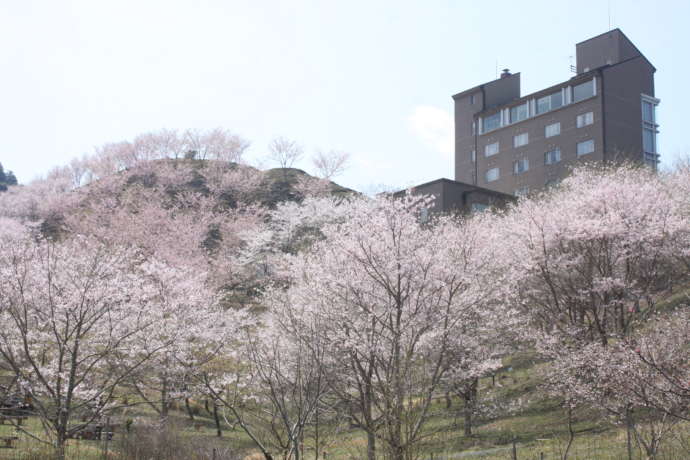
(374, 78)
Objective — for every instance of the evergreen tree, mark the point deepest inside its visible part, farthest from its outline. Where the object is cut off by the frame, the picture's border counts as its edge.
(6, 179)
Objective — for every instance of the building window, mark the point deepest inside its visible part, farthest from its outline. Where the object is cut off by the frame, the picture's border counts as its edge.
(519, 112)
(479, 207)
(491, 149)
(520, 140)
(522, 191)
(491, 122)
(585, 119)
(552, 130)
(583, 91)
(473, 156)
(585, 147)
(520, 166)
(649, 131)
(648, 109)
(550, 102)
(472, 99)
(424, 215)
(648, 141)
(552, 183)
(492, 175)
(552, 156)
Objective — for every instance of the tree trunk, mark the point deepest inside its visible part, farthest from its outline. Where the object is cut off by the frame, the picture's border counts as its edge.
(398, 453)
(165, 404)
(60, 441)
(571, 433)
(371, 445)
(216, 419)
(61, 434)
(189, 409)
(629, 432)
(295, 447)
(165, 410)
(470, 396)
(316, 433)
(468, 418)
(449, 400)
(399, 397)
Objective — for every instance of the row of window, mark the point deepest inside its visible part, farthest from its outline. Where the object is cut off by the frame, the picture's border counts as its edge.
(533, 107)
(650, 128)
(551, 130)
(551, 157)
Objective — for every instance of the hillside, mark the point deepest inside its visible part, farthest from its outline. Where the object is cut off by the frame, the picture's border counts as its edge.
(264, 187)
(265, 329)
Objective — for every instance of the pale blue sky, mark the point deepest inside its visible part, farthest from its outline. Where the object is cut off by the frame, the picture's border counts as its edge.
(374, 78)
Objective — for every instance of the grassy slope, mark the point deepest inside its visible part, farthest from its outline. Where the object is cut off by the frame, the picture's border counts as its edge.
(537, 427)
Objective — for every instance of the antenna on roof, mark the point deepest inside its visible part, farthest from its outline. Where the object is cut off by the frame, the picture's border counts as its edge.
(573, 69)
(496, 77)
(609, 14)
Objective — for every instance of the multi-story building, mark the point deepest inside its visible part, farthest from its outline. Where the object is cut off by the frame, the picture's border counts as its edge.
(606, 113)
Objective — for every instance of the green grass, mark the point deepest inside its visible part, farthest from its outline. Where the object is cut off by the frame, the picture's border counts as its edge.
(538, 427)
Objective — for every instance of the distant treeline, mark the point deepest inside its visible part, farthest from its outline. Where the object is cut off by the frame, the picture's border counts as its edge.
(6, 179)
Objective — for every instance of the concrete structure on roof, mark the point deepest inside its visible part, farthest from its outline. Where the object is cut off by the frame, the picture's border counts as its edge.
(518, 144)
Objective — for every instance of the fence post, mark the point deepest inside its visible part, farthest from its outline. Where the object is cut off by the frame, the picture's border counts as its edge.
(214, 453)
(514, 450)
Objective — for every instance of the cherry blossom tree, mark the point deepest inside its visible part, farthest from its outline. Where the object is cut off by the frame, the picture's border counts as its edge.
(330, 164)
(217, 144)
(70, 309)
(641, 382)
(391, 295)
(588, 262)
(42, 200)
(190, 330)
(591, 257)
(288, 229)
(664, 348)
(284, 152)
(195, 240)
(477, 352)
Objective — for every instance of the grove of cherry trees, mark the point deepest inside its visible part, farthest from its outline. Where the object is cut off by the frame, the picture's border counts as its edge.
(156, 271)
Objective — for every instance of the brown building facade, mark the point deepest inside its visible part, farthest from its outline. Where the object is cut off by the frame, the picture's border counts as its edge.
(517, 144)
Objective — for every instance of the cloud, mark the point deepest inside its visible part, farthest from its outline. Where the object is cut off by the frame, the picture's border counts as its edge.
(434, 126)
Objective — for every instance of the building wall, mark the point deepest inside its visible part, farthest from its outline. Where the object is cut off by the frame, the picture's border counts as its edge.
(465, 111)
(538, 173)
(606, 49)
(502, 91)
(457, 197)
(434, 189)
(623, 85)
